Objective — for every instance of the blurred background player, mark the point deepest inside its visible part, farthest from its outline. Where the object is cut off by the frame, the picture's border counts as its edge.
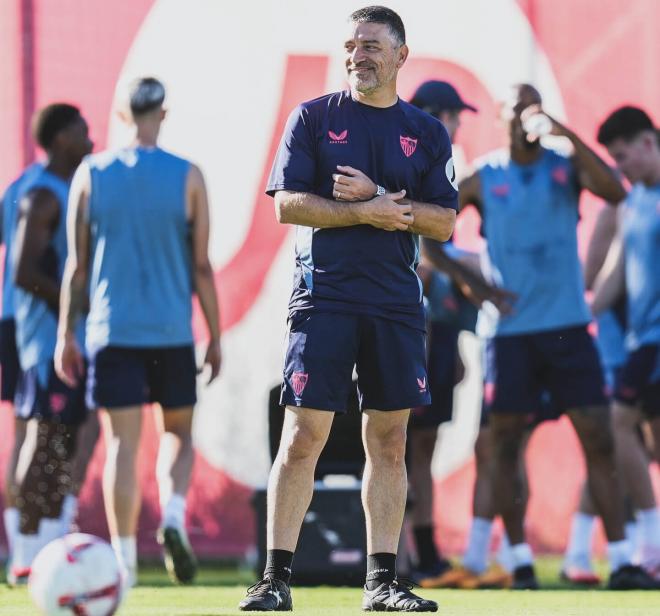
(448, 312)
(632, 141)
(9, 364)
(40, 253)
(140, 215)
(528, 198)
(454, 279)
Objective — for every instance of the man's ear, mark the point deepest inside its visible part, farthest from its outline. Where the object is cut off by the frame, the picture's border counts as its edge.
(403, 55)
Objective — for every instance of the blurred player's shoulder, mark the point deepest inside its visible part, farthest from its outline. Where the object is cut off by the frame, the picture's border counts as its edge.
(495, 159)
(126, 156)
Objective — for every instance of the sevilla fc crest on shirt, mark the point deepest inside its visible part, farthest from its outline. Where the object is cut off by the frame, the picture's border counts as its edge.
(408, 145)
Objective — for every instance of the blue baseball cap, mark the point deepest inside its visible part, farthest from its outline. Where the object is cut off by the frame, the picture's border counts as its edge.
(436, 96)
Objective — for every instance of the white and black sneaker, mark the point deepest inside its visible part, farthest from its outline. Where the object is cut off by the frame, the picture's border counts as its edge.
(397, 596)
(268, 595)
(179, 558)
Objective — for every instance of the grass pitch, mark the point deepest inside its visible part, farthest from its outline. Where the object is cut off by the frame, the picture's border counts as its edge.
(218, 591)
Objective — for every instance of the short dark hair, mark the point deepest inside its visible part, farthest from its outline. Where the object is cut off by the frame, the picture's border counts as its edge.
(50, 120)
(146, 95)
(381, 15)
(625, 123)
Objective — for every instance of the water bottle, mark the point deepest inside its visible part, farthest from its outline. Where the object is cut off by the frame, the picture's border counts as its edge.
(538, 124)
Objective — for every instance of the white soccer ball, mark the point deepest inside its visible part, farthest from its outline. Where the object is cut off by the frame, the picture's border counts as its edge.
(76, 574)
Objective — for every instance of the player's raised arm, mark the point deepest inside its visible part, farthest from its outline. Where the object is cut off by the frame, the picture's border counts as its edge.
(594, 173)
(69, 362)
(204, 281)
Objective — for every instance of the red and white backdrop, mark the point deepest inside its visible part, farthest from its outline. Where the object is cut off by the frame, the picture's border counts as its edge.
(233, 72)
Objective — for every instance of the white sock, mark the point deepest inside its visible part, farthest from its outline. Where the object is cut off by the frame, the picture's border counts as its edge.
(476, 555)
(633, 537)
(50, 529)
(126, 551)
(12, 520)
(648, 522)
(522, 555)
(69, 512)
(505, 554)
(26, 548)
(578, 551)
(174, 512)
(619, 554)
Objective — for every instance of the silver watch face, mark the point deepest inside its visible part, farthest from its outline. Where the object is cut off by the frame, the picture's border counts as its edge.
(379, 191)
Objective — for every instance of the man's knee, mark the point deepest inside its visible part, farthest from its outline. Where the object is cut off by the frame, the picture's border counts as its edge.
(594, 430)
(387, 446)
(301, 443)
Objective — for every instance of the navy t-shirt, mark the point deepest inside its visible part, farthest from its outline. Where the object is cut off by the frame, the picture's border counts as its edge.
(362, 269)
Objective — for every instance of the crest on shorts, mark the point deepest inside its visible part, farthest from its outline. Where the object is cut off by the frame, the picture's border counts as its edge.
(57, 402)
(408, 145)
(298, 382)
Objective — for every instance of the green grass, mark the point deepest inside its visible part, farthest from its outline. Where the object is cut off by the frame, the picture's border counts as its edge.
(218, 591)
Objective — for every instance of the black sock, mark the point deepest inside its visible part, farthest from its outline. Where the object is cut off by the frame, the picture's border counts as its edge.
(381, 568)
(278, 565)
(426, 551)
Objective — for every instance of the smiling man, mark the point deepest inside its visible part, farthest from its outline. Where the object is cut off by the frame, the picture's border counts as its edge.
(345, 163)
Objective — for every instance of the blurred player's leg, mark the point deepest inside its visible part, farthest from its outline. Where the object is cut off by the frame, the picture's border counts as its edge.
(121, 491)
(47, 480)
(577, 567)
(173, 471)
(509, 485)
(634, 466)
(11, 487)
(86, 439)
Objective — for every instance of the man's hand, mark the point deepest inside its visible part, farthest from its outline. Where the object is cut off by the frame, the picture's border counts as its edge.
(352, 185)
(558, 129)
(478, 292)
(213, 359)
(69, 361)
(385, 213)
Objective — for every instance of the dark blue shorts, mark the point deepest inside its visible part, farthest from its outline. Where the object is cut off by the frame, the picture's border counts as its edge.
(11, 369)
(125, 376)
(40, 394)
(442, 358)
(324, 347)
(563, 363)
(638, 381)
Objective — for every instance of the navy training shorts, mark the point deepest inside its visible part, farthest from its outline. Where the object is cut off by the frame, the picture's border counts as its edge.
(442, 363)
(638, 380)
(562, 362)
(324, 347)
(11, 369)
(40, 394)
(125, 376)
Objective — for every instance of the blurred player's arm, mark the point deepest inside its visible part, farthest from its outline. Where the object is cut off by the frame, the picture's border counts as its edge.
(469, 192)
(310, 210)
(472, 285)
(594, 173)
(204, 280)
(38, 218)
(599, 245)
(610, 283)
(69, 362)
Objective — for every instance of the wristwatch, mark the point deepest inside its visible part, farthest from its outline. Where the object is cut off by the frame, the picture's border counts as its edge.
(379, 191)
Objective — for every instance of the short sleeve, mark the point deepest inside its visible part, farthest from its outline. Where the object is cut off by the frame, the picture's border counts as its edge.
(294, 165)
(439, 185)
